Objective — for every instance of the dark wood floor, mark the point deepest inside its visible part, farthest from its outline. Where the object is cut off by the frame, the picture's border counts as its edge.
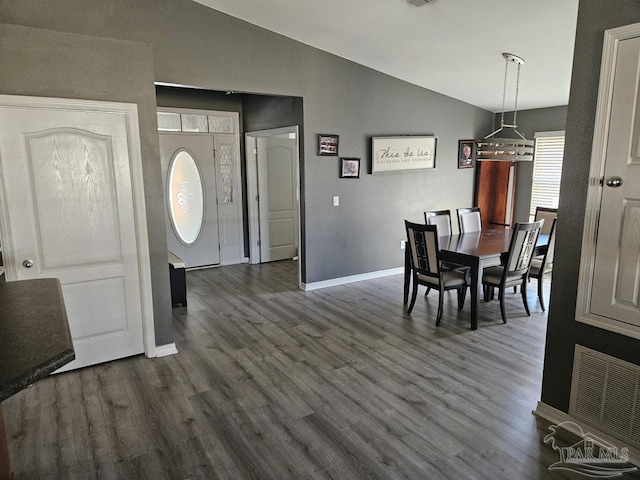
(275, 383)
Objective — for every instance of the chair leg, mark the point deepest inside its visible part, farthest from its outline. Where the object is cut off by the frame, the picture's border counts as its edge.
(540, 297)
(503, 310)
(486, 292)
(427, 292)
(523, 289)
(414, 293)
(439, 317)
(462, 293)
(515, 289)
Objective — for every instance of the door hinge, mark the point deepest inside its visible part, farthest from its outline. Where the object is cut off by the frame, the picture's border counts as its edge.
(259, 243)
(601, 181)
(255, 151)
(257, 198)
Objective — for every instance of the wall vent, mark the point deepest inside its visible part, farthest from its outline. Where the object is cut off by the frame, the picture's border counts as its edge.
(605, 394)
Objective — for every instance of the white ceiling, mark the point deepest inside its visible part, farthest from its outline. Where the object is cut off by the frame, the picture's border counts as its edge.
(453, 47)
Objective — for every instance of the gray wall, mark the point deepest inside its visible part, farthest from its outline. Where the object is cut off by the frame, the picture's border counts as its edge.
(563, 333)
(193, 45)
(52, 64)
(529, 122)
(192, 98)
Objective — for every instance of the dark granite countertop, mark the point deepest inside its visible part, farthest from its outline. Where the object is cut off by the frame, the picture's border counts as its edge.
(34, 333)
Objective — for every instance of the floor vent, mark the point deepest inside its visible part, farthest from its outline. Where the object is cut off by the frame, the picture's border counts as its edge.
(605, 394)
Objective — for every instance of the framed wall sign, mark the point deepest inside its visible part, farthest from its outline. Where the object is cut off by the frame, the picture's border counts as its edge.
(391, 154)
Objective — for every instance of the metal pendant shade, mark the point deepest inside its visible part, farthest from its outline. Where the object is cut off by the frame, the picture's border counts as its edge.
(507, 149)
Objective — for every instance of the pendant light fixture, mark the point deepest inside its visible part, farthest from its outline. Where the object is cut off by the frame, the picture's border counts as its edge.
(507, 149)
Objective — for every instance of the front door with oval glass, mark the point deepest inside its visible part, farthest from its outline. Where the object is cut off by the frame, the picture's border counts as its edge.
(190, 192)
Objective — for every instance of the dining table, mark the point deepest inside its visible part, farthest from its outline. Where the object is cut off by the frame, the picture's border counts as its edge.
(476, 250)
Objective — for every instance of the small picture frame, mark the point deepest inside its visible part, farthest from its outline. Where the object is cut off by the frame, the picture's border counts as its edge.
(466, 153)
(328, 145)
(349, 167)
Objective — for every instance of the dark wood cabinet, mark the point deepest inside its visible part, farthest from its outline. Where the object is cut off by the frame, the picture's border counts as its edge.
(495, 192)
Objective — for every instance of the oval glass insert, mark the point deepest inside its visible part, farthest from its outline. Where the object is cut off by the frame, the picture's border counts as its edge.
(186, 198)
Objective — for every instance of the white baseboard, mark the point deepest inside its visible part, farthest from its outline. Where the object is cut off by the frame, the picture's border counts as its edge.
(333, 282)
(164, 350)
(557, 417)
(235, 261)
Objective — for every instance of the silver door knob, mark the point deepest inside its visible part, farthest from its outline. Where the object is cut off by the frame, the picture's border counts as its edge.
(28, 263)
(614, 182)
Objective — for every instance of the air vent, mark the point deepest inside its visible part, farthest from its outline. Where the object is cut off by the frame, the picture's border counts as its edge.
(605, 394)
(419, 3)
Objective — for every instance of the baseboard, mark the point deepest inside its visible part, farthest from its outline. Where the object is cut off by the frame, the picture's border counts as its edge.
(557, 417)
(333, 282)
(235, 261)
(164, 350)
(226, 263)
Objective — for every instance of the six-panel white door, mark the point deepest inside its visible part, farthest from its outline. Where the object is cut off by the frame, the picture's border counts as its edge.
(69, 213)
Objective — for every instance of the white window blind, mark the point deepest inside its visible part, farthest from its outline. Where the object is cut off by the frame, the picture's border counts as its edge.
(547, 170)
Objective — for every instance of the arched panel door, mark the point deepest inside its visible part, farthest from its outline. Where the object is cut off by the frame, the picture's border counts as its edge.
(70, 213)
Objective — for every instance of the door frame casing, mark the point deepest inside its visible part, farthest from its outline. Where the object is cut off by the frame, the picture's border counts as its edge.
(130, 111)
(252, 188)
(612, 39)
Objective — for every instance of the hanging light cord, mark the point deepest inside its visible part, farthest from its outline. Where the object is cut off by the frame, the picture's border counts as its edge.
(504, 92)
(515, 108)
(519, 62)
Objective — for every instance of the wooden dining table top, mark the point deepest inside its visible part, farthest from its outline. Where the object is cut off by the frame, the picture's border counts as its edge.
(484, 243)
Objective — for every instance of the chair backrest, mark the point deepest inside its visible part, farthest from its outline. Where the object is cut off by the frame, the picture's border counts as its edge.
(424, 250)
(469, 220)
(522, 248)
(440, 218)
(548, 215)
(551, 246)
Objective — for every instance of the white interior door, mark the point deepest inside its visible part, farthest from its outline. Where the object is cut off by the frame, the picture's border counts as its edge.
(68, 203)
(191, 213)
(278, 202)
(616, 281)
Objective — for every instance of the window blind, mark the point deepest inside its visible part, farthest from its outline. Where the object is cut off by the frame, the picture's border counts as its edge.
(547, 170)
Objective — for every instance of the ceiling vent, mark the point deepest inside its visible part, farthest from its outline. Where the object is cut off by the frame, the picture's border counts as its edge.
(419, 3)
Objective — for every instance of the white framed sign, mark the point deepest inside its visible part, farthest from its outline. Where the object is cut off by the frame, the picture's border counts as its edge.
(391, 154)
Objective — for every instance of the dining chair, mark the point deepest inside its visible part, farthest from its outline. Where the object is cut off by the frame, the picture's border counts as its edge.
(441, 218)
(426, 268)
(469, 220)
(515, 270)
(541, 266)
(548, 215)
